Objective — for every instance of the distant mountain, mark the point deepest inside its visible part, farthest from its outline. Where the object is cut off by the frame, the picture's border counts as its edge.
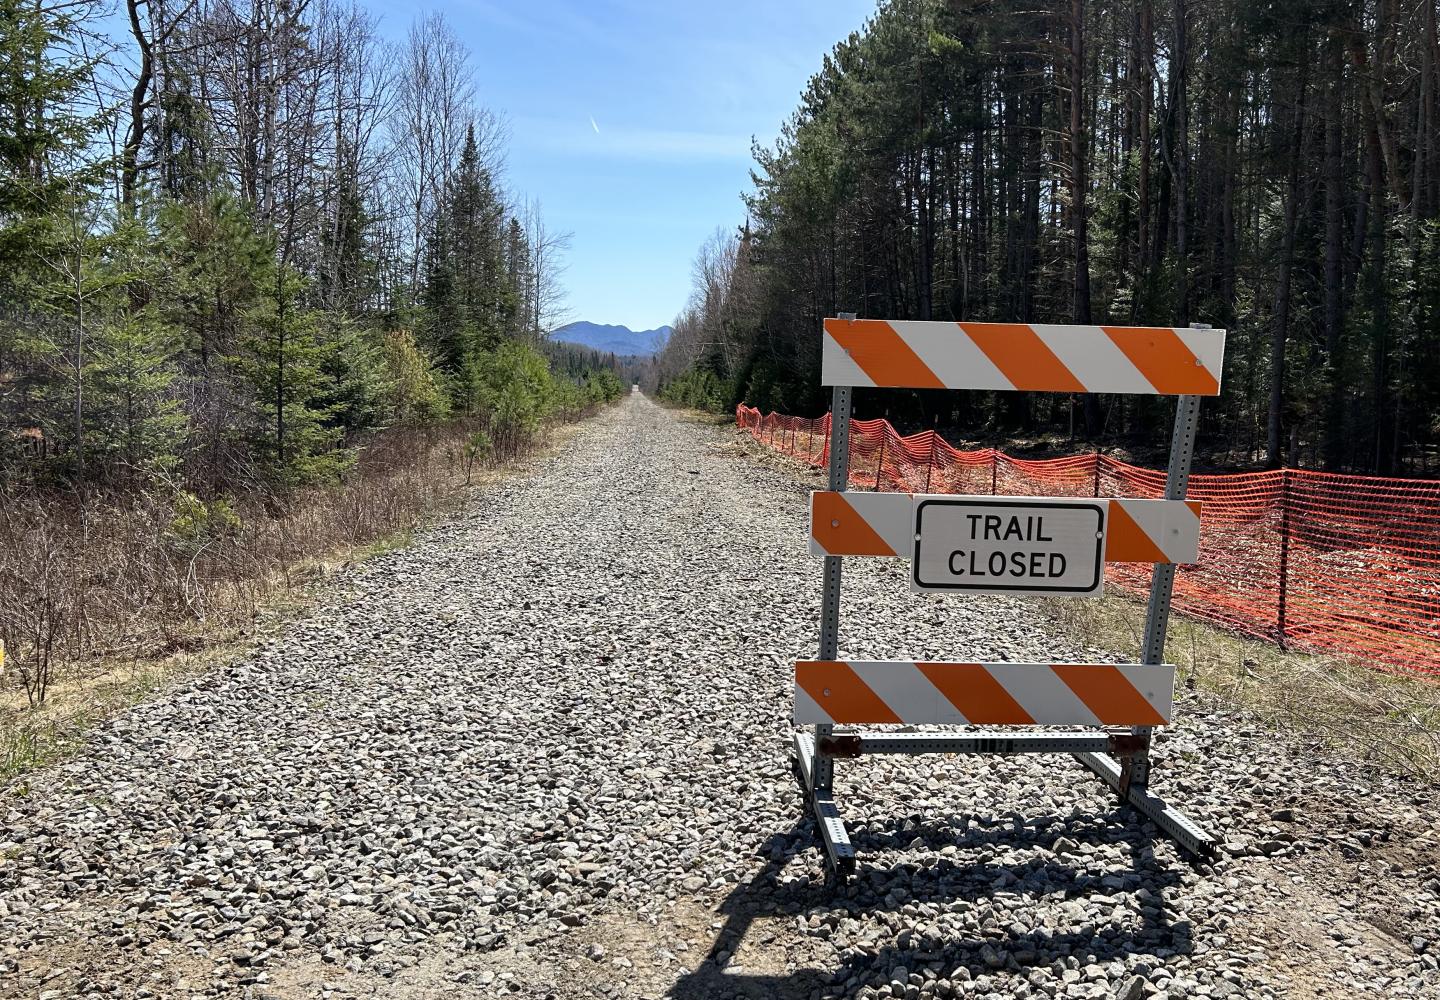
(613, 339)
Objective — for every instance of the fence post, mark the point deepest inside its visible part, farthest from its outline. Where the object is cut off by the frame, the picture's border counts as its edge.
(930, 463)
(1284, 556)
(809, 439)
(1097, 472)
(881, 463)
(994, 468)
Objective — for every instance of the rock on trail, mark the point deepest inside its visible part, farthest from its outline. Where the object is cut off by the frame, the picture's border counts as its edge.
(543, 752)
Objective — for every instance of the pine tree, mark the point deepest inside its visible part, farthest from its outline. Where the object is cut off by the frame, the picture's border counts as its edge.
(293, 432)
(221, 268)
(43, 138)
(469, 297)
(137, 428)
(520, 282)
(347, 278)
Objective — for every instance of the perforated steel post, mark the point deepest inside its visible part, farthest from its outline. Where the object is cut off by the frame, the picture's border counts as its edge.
(1135, 769)
(823, 774)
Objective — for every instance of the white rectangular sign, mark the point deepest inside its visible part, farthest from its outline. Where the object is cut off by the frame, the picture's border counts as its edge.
(1010, 545)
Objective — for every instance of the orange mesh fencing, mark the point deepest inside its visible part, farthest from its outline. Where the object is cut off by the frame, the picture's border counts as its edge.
(1328, 563)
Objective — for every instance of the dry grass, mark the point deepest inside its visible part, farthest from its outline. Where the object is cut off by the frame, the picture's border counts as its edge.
(693, 416)
(1381, 717)
(103, 603)
(31, 737)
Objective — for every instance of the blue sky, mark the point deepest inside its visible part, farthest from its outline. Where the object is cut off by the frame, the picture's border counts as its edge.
(675, 89)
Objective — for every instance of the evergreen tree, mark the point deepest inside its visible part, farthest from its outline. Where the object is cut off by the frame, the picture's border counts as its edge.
(347, 270)
(353, 360)
(43, 138)
(520, 282)
(449, 331)
(137, 428)
(181, 140)
(477, 240)
(283, 359)
(221, 267)
(470, 298)
(70, 287)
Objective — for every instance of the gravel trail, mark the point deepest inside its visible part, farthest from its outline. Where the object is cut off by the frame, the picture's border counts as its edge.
(543, 752)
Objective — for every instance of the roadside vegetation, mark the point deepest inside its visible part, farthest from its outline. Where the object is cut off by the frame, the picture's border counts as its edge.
(103, 601)
(1269, 169)
(245, 326)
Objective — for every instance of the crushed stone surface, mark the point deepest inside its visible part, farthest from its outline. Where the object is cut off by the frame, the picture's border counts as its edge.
(544, 752)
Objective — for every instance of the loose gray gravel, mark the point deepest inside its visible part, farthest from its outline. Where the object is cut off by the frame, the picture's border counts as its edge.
(543, 752)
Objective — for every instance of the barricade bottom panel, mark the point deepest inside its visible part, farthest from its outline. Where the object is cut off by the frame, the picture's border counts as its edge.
(867, 692)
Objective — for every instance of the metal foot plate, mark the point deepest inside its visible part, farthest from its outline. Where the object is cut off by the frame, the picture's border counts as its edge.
(1175, 823)
(839, 855)
(832, 831)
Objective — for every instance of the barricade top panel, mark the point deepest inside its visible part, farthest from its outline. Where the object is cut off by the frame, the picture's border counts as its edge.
(1142, 360)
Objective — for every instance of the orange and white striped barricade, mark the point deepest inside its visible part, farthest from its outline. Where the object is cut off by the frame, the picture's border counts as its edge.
(1014, 545)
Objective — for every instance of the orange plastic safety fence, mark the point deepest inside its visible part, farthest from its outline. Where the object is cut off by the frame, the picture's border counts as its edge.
(1329, 563)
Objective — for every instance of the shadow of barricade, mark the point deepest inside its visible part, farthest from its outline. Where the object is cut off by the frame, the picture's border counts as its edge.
(938, 878)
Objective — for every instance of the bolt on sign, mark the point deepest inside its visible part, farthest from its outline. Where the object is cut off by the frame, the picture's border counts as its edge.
(1018, 546)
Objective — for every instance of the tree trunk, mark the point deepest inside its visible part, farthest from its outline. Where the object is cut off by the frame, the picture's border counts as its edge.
(1079, 185)
(1181, 155)
(1274, 440)
(1146, 43)
(1334, 257)
(139, 103)
(1375, 91)
(1379, 299)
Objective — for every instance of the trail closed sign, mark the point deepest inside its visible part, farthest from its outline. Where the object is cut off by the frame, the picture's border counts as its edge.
(1019, 545)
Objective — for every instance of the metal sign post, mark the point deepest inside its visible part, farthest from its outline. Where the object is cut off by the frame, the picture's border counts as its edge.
(1033, 545)
(818, 770)
(1131, 776)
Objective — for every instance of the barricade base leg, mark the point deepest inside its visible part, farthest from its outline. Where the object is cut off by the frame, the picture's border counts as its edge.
(1175, 824)
(839, 854)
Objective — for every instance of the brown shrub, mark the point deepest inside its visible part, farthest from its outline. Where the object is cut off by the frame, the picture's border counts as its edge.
(139, 574)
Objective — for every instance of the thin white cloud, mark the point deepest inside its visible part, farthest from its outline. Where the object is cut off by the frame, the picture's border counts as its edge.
(559, 138)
